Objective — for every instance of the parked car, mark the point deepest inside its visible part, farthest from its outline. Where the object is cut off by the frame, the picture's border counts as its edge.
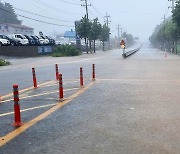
(36, 40)
(4, 42)
(51, 40)
(23, 40)
(58, 43)
(30, 39)
(41, 40)
(12, 41)
(46, 41)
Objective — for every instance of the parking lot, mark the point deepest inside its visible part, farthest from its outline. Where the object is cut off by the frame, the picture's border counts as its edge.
(26, 40)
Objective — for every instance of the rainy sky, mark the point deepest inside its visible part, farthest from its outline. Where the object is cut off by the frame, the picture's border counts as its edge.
(138, 17)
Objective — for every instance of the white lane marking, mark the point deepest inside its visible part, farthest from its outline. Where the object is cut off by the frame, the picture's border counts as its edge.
(28, 109)
(43, 65)
(47, 93)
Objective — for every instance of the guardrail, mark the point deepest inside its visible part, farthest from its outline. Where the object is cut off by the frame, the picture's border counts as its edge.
(127, 54)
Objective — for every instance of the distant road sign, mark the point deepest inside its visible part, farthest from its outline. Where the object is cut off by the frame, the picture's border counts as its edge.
(122, 42)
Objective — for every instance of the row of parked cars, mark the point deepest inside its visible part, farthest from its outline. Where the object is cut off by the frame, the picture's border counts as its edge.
(19, 39)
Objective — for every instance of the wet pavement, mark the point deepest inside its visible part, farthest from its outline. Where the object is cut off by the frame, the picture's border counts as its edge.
(132, 107)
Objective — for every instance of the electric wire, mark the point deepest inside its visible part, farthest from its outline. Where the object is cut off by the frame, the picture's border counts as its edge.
(67, 2)
(96, 9)
(35, 19)
(41, 15)
(52, 7)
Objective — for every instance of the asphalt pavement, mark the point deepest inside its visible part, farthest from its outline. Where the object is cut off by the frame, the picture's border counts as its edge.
(131, 108)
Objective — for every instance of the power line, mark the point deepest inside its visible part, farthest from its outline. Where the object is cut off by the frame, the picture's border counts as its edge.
(144, 13)
(90, 9)
(36, 19)
(91, 13)
(41, 15)
(75, 0)
(96, 9)
(72, 3)
(52, 7)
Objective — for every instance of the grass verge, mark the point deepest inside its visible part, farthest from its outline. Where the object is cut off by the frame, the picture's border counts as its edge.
(4, 62)
(66, 50)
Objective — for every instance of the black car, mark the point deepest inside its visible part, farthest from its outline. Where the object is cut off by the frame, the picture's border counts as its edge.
(30, 39)
(12, 41)
(36, 40)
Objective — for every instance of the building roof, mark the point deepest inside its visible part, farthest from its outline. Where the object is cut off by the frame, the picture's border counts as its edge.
(18, 26)
(71, 34)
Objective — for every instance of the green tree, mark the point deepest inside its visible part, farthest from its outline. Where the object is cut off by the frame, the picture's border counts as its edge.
(83, 30)
(129, 38)
(104, 36)
(176, 14)
(171, 33)
(95, 32)
(176, 20)
(165, 35)
(7, 14)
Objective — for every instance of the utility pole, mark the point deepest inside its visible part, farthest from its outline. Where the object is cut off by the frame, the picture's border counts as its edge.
(86, 6)
(107, 21)
(120, 31)
(118, 28)
(164, 21)
(87, 17)
(173, 4)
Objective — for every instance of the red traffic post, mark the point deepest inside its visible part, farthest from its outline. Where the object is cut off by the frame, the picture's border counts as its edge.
(17, 113)
(34, 78)
(93, 72)
(81, 77)
(61, 92)
(57, 72)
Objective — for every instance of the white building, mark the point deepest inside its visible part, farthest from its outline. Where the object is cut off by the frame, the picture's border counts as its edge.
(7, 29)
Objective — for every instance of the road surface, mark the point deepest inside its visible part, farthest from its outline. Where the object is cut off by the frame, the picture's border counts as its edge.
(131, 108)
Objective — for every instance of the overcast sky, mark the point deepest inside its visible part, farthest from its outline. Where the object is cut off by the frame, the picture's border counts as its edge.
(138, 17)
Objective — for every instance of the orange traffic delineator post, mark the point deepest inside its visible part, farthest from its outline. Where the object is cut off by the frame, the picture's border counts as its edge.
(57, 72)
(34, 78)
(61, 93)
(81, 77)
(93, 72)
(17, 113)
(0, 98)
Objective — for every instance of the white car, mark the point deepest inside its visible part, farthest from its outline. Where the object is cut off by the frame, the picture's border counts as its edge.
(4, 42)
(58, 43)
(23, 40)
(45, 39)
(41, 40)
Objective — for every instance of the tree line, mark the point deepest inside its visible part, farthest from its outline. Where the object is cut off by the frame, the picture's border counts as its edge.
(6, 17)
(167, 34)
(91, 31)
